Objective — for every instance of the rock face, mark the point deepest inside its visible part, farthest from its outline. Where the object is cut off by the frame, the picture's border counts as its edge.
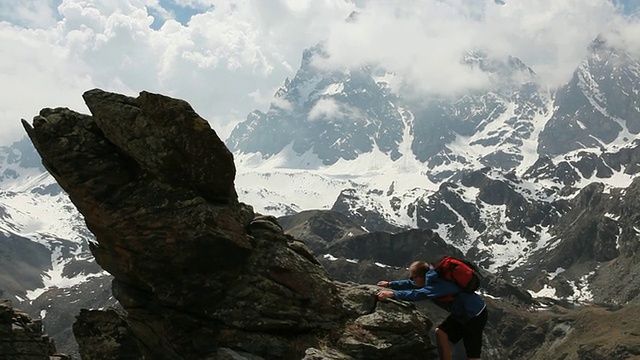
(103, 334)
(197, 273)
(21, 337)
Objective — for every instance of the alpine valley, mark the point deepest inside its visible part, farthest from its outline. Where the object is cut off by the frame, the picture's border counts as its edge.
(537, 186)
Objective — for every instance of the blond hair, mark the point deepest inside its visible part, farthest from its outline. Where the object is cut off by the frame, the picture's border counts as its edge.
(419, 268)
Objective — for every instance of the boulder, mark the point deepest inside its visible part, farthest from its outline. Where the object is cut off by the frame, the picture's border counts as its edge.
(198, 274)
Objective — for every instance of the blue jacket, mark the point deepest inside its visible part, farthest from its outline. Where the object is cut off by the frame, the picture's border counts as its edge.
(464, 306)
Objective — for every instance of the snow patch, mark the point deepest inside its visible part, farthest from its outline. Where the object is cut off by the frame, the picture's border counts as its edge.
(333, 89)
(54, 278)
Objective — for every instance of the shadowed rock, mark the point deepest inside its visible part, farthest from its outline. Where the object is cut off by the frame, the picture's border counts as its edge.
(106, 334)
(21, 337)
(199, 275)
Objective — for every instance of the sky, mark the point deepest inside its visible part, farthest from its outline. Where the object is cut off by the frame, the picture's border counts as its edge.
(228, 57)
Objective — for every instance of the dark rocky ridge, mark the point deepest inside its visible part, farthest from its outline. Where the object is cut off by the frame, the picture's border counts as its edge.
(21, 337)
(198, 274)
(319, 228)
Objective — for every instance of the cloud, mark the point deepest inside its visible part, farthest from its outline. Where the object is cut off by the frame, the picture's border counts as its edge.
(35, 74)
(230, 57)
(278, 102)
(328, 108)
(218, 62)
(423, 41)
(625, 35)
(325, 108)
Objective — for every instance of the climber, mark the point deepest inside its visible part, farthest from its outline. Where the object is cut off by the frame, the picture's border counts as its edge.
(468, 312)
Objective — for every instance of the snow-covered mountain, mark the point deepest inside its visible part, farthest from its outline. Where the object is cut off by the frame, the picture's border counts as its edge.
(506, 128)
(504, 174)
(599, 108)
(491, 171)
(333, 114)
(46, 266)
(34, 208)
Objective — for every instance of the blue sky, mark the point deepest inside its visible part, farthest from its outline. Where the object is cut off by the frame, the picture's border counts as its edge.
(228, 57)
(181, 13)
(629, 6)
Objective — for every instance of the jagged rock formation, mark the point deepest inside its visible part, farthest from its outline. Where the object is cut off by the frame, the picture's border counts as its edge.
(198, 274)
(355, 95)
(597, 104)
(21, 337)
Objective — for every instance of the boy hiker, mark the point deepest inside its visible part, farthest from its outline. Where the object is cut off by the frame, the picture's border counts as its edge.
(468, 313)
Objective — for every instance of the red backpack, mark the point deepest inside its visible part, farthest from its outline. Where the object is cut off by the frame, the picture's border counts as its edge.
(461, 272)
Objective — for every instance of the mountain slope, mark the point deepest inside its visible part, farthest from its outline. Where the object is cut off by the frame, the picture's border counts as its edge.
(599, 107)
(333, 114)
(493, 172)
(47, 268)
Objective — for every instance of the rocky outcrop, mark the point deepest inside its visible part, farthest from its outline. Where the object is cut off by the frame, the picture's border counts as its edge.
(199, 275)
(371, 219)
(319, 228)
(21, 337)
(105, 335)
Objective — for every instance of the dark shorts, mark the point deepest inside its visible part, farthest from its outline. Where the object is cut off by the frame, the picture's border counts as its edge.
(470, 332)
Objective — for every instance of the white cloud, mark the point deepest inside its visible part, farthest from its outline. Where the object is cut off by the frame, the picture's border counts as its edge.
(324, 108)
(35, 74)
(216, 62)
(423, 41)
(229, 59)
(278, 102)
(328, 108)
(625, 35)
